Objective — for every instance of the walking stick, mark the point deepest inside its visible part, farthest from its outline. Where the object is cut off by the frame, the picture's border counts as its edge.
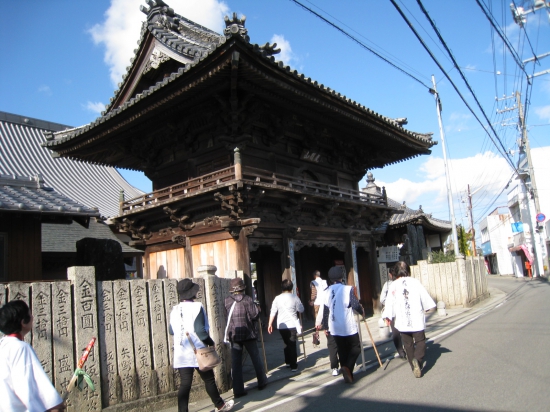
(303, 339)
(79, 374)
(372, 341)
(262, 338)
(361, 339)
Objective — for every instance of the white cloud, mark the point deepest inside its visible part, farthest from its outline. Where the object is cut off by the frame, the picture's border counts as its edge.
(485, 171)
(543, 112)
(120, 30)
(286, 55)
(457, 122)
(96, 107)
(45, 89)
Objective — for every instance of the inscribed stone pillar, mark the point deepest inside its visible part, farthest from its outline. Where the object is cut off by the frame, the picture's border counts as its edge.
(142, 339)
(107, 342)
(124, 340)
(383, 269)
(157, 319)
(292, 264)
(86, 328)
(353, 269)
(171, 300)
(216, 290)
(62, 333)
(20, 291)
(42, 325)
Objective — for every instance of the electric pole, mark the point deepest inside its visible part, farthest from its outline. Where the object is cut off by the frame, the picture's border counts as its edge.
(532, 191)
(447, 175)
(474, 252)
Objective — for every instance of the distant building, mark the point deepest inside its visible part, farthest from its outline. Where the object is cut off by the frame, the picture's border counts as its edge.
(91, 186)
(522, 199)
(496, 236)
(425, 234)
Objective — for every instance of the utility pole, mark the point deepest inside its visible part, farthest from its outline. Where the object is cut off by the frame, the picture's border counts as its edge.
(530, 191)
(447, 175)
(472, 222)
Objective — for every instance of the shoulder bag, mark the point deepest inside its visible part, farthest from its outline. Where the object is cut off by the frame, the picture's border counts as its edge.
(207, 357)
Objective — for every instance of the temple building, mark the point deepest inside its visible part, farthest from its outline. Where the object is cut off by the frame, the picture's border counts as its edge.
(253, 164)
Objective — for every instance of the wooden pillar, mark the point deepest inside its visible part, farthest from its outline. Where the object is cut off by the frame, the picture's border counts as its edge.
(287, 257)
(243, 256)
(350, 261)
(188, 258)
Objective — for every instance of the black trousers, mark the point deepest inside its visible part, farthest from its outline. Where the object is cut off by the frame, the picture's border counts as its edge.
(291, 347)
(237, 364)
(349, 348)
(415, 345)
(186, 375)
(332, 351)
(396, 336)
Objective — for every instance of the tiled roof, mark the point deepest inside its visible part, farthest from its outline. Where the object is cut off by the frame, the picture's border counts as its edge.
(409, 215)
(91, 185)
(30, 195)
(165, 25)
(63, 238)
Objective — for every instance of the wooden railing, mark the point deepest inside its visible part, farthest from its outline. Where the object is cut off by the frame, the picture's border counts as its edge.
(251, 176)
(310, 186)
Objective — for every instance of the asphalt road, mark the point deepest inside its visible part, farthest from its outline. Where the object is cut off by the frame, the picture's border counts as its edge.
(487, 359)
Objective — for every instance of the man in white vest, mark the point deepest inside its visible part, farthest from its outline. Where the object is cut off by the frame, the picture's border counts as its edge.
(318, 286)
(339, 320)
(407, 302)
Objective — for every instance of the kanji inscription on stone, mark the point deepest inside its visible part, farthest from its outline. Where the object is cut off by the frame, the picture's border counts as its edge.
(42, 325)
(158, 334)
(107, 340)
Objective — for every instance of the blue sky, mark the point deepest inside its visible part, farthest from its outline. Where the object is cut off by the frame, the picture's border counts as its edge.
(62, 60)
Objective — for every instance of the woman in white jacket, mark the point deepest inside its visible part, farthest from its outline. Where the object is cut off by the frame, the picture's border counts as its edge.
(407, 302)
(189, 317)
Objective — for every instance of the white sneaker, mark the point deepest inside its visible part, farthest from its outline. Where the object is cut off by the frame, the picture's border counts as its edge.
(335, 372)
(227, 406)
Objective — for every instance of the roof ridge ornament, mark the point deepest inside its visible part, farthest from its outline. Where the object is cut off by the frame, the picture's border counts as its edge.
(269, 49)
(236, 26)
(161, 14)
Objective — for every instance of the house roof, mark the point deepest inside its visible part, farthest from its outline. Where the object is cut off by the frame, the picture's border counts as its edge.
(404, 215)
(416, 216)
(167, 36)
(91, 185)
(30, 195)
(63, 238)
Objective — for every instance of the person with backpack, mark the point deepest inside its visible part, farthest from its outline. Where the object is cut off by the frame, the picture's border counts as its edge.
(241, 333)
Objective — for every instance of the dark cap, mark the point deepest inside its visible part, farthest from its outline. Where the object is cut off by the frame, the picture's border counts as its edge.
(187, 289)
(237, 284)
(336, 273)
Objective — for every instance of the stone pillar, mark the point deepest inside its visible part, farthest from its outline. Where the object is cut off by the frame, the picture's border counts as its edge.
(124, 340)
(108, 343)
(42, 325)
(86, 327)
(171, 300)
(216, 290)
(20, 291)
(161, 351)
(351, 258)
(62, 336)
(142, 348)
(461, 265)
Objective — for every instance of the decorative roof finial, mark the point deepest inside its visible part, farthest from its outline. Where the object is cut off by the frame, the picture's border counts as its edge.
(372, 188)
(236, 26)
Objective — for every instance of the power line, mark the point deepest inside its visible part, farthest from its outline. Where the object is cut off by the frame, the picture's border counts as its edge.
(345, 33)
(436, 30)
(452, 83)
(504, 39)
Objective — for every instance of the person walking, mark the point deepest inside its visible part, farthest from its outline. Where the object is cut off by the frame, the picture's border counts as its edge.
(338, 319)
(331, 343)
(189, 317)
(406, 304)
(286, 307)
(24, 386)
(396, 335)
(241, 332)
(318, 286)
